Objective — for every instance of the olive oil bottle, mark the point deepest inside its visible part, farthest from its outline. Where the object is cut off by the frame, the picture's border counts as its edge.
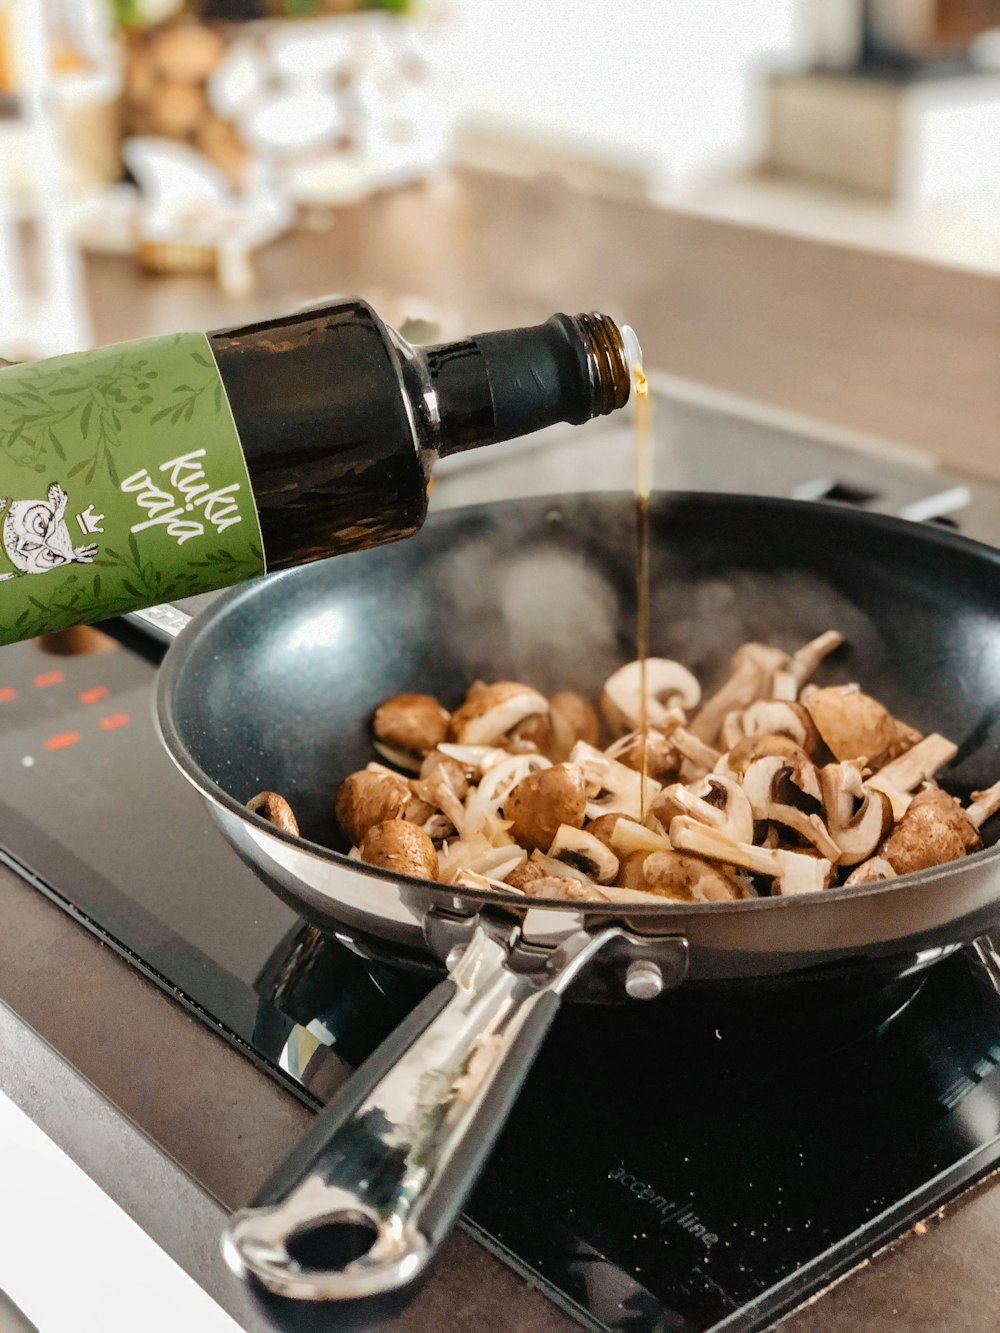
(153, 470)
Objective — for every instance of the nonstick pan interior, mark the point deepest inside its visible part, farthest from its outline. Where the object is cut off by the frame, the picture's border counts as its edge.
(276, 689)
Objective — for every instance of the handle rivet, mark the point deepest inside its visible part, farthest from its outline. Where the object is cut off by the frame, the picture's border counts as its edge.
(643, 980)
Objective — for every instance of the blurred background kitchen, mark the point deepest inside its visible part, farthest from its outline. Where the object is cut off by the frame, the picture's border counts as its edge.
(797, 202)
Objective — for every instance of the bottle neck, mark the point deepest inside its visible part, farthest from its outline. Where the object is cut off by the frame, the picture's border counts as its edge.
(498, 386)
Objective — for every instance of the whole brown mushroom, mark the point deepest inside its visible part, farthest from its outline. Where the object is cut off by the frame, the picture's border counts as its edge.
(412, 723)
(398, 845)
(366, 798)
(542, 801)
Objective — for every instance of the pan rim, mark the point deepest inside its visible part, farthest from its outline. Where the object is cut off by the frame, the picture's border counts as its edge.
(179, 652)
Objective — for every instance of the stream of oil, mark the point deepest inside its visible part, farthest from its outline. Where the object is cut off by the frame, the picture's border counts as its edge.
(643, 485)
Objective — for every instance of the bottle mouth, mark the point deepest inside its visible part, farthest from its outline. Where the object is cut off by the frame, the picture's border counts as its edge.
(613, 356)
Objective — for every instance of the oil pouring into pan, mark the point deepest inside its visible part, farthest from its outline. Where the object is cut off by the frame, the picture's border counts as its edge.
(543, 592)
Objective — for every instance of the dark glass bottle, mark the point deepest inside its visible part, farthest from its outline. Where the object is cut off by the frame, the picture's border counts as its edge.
(149, 471)
(341, 419)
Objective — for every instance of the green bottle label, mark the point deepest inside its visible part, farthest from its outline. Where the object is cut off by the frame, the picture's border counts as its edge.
(122, 484)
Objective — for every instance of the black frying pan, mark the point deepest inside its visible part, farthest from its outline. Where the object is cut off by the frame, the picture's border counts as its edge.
(275, 689)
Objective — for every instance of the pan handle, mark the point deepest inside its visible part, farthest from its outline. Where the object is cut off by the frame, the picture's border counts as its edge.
(362, 1204)
(162, 622)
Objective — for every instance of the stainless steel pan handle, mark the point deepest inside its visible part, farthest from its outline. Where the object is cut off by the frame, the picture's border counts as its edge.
(162, 622)
(392, 1158)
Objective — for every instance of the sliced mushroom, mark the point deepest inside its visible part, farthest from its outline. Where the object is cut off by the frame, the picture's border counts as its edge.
(275, 809)
(683, 878)
(581, 849)
(761, 783)
(603, 828)
(611, 787)
(409, 726)
(752, 668)
(698, 757)
(668, 684)
(771, 717)
(788, 680)
(491, 711)
(543, 801)
(569, 890)
(870, 872)
(661, 755)
(396, 845)
(793, 872)
(984, 805)
(900, 776)
(522, 875)
(935, 829)
(716, 800)
(858, 819)
(856, 726)
(736, 760)
(366, 798)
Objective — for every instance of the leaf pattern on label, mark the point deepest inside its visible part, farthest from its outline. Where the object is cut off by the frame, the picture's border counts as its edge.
(94, 406)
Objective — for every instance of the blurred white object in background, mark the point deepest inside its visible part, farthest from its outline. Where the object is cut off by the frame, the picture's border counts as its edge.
(185, 201)
(337, 106)
(42, 303)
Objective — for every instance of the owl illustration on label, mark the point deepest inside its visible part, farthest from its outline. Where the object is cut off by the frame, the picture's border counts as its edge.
(36, 538)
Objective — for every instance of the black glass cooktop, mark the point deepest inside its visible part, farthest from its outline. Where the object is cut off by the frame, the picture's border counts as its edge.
(677, 1166)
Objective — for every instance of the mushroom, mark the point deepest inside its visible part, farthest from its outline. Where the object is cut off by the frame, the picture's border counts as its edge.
(771, 717)
(533, 734)
(490, 712)
(396, 845)
(788, 680)
(573, 719)
(698, 757)
(856, 726)
(752, 668)
(900, 776)
(667, 684)
(716, 800)
(984, 805)
(520, 877)
(570, 890)
(408, 726)
(870, 872)
(935, 829)
(661, 755)
(761, 782)
(603, 828)
(275, 809)
(543, 801)
(736, 760)
(367, 798)
(683, 878)
(581, 849)
(611, 787)
(793, 872)
(857, 829)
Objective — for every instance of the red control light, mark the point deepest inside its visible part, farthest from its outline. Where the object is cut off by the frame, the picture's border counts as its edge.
(114, 720)
(6, 694)
(48, 678)
(61, 739)
(94, 695)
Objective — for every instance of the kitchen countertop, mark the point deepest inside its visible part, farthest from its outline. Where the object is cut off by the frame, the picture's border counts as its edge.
(171, 1121)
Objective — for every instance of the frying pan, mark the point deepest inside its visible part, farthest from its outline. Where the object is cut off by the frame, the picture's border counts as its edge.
(274, 688)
